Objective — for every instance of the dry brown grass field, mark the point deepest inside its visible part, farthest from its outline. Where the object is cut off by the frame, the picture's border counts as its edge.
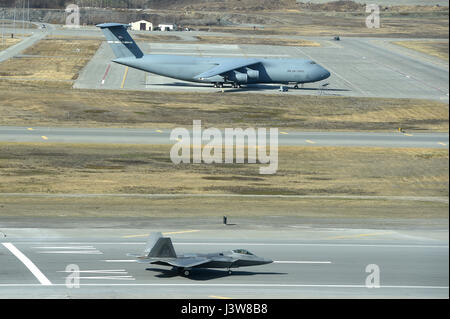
(8, 42)
(129, 169)
(435, 48)
(51, 59)
(141, 169)
(342, 211)
(55, 103)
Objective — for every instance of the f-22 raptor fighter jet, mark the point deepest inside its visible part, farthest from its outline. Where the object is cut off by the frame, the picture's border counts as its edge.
(159, 251)
(214, 70)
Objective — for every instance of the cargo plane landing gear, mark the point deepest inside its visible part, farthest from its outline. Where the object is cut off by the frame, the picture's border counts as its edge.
(296, 86)
(283, 88)
(218, 85)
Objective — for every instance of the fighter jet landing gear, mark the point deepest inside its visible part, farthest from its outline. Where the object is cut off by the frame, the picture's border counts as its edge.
(182, 271)
(185, 272)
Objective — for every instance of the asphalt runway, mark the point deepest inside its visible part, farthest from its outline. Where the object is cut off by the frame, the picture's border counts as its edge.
(361, 67)
(308, 263)
(158, 136)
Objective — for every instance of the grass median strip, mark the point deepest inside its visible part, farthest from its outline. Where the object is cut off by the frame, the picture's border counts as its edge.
(57, 103)
(147, 169)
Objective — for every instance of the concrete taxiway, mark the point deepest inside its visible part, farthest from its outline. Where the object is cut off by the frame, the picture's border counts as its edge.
(38, 263)
(360, 67)
(35, 35)
(157, 136)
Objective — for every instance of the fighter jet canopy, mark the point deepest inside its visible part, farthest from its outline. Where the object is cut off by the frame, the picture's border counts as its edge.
(242, 252)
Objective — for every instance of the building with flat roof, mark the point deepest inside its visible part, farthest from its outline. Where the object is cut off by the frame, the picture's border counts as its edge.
(167, 27)
(142, 25)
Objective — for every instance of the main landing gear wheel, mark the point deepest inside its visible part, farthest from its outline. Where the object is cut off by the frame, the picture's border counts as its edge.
(186, 273)
(296, 86)
(229, 271)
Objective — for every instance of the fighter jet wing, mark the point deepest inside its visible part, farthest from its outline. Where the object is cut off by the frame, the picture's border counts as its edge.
(221, 68)
(189, 262)
(177, 262)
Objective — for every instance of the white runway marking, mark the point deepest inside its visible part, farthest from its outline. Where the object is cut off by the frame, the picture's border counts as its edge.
(67, 247)
(85, 252)
(300, 262)
(107, 278)
(110, 274)
(28, 263)
(108, 271)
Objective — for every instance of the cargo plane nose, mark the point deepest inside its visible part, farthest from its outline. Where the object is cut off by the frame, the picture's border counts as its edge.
(317, 72)
(325, 73)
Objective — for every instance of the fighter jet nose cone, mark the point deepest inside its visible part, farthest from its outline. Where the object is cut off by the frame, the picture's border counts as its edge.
(327, 74)
(268, 261)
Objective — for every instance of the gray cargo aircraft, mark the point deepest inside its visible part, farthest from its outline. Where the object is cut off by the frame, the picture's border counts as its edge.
(217, 71)
(159, 251)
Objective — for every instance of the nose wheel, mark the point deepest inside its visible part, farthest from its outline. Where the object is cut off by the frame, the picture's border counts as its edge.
(229, 272)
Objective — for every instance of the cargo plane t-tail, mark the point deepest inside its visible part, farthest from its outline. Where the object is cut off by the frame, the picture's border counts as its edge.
(217, 71)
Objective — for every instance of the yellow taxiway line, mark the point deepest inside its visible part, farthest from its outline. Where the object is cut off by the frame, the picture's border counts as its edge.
(124, 78)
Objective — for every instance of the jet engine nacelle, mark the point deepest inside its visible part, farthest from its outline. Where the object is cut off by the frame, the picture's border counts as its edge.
(253, 74)
(241, 77)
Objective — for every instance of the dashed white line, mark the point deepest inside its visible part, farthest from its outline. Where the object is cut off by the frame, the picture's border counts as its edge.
(86, 252)
(108, 278)
(66, 247)
(108, 271)
(300, 262)
(29, 264)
